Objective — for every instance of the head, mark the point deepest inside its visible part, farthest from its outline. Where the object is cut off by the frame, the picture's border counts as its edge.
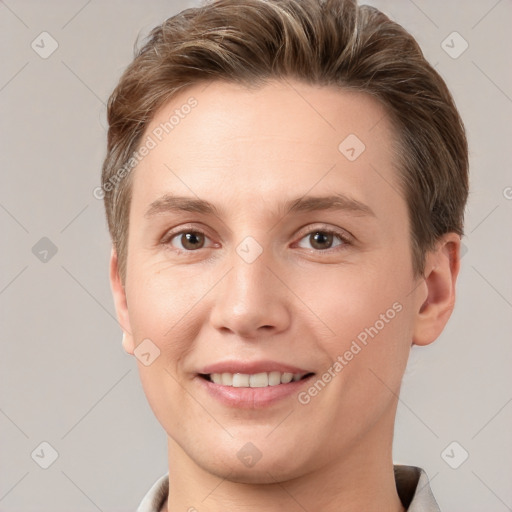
(226, 129)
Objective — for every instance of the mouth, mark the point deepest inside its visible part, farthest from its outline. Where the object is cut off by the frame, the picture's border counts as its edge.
(254, 380)
(256, 384)
(252, 385)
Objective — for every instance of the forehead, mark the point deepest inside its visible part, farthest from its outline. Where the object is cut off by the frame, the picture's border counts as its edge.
(223, 139)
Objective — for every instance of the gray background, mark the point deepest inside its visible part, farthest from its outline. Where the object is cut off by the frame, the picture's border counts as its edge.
(64, 377)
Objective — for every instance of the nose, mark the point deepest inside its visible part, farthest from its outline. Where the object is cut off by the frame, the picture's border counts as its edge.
(251, 301)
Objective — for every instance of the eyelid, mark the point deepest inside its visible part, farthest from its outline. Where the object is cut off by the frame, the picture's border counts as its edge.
(346, 237)
(172, 233)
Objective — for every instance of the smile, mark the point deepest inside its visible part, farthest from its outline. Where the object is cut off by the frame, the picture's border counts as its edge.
(255, 380)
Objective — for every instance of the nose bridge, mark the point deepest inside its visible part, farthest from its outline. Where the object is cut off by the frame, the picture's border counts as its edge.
(250, 299)
(250, 273)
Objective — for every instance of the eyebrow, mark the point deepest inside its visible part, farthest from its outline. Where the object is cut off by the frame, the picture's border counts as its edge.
(339, 202)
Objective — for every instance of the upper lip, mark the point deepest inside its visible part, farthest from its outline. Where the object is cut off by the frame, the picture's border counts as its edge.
(251, 367)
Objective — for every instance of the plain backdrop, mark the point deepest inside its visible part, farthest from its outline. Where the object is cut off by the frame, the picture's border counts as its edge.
(64, 378)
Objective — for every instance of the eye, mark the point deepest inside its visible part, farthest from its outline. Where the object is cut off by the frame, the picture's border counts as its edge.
(187, 240)
(322, 239)
(319, 240)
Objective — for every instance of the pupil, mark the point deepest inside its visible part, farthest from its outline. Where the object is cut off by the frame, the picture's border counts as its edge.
(320, 238)
(191, 240)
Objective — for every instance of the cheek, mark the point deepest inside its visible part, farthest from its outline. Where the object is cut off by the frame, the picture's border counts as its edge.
(162, 299)
(162, 310)
(167, 306)
(350, 300)
(370, 320)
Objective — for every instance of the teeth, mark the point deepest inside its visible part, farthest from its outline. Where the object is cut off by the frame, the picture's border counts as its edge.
(240, 380)
(227, 379)
(256, 380)
(274, 378)
(286, 377)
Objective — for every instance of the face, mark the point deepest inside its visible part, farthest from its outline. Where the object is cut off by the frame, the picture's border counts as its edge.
(268, 239)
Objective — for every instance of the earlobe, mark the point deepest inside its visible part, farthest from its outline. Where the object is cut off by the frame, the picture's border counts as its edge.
(127, 343)
(119, 295)
(441, 270)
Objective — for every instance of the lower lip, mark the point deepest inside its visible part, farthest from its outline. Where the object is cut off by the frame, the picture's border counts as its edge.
(252, 398)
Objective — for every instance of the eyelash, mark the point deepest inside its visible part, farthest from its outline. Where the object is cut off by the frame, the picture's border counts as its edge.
(345, 240)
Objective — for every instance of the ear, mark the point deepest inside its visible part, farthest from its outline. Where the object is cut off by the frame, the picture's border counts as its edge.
(120, 303)
(436, 295)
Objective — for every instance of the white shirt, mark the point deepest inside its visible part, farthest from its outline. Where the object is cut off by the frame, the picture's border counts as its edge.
(412, 485)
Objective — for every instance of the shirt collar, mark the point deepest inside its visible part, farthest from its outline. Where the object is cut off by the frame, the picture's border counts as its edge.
(414, 490)
(412, 485)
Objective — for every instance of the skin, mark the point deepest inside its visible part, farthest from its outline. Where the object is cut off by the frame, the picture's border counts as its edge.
(247, 152)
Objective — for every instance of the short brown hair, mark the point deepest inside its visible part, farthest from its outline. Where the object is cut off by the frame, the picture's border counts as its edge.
(331, 43)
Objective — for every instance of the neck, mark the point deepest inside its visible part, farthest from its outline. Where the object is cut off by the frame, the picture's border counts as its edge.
(360, 480)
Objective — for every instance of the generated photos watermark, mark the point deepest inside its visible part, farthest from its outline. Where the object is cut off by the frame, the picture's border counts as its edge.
(361, 341)
(150, 142)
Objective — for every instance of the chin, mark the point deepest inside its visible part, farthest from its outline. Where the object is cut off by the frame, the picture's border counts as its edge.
(260, 474)
(250, 466)
(260, 477)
